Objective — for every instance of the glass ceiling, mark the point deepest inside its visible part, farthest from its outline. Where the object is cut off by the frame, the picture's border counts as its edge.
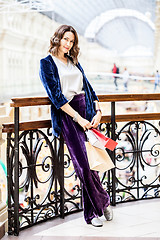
(115, 24)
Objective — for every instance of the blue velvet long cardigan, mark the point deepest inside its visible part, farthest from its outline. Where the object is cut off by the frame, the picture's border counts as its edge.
(51, 81)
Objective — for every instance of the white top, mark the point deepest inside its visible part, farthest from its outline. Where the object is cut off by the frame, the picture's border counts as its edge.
(157, 78)
(71, 78)
(125, 76)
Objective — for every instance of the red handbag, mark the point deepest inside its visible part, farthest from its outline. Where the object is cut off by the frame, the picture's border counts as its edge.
(106, 142)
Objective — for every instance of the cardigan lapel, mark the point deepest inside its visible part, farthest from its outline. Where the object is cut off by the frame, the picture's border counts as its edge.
(55, 69)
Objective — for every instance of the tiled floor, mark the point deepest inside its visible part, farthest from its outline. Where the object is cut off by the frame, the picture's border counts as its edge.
(136, 220)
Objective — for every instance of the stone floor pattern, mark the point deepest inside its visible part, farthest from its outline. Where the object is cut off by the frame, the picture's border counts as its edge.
(136, 220)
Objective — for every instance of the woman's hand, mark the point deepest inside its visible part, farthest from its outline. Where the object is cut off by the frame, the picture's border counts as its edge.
(96, 120)
(85, 124)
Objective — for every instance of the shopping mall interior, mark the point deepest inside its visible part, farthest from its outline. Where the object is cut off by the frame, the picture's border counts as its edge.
(119, 43)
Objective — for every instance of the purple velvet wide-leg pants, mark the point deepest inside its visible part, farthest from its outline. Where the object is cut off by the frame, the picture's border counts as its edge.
(95, 198)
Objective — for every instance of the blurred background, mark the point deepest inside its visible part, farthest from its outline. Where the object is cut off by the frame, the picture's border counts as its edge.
(121, 32)
(124, 32)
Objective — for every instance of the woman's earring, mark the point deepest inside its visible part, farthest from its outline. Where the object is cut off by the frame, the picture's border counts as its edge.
(55, 40)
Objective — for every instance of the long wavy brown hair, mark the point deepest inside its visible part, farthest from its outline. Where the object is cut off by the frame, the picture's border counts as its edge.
(55, 42)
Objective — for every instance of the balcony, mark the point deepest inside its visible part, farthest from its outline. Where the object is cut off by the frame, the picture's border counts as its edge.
(136, 220)
(42, 184)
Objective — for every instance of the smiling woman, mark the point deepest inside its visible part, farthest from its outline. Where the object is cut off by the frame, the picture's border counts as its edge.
(66, 39)
(75, 108)
(66, 44)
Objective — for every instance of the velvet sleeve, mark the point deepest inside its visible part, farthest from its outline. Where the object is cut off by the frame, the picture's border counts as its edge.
(52, 86)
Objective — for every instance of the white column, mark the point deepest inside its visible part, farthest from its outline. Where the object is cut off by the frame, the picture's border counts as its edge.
(157, 38)
(3, 206)
(3, 217)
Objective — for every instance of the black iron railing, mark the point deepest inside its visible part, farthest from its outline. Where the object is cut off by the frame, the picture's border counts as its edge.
(42, 183)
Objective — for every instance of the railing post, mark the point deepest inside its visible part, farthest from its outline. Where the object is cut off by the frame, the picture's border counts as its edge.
(61, 175)
(56, 166)
(109, 190)
(137, 156)
(16, 171)
(32, 172)
(113, 136)
(9, 180)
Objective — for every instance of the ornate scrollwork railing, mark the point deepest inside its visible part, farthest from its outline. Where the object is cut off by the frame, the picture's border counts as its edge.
(43, 192)
(137, 161)
(42, 183)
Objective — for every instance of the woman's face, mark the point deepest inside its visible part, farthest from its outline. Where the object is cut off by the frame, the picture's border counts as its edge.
(66, 42)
